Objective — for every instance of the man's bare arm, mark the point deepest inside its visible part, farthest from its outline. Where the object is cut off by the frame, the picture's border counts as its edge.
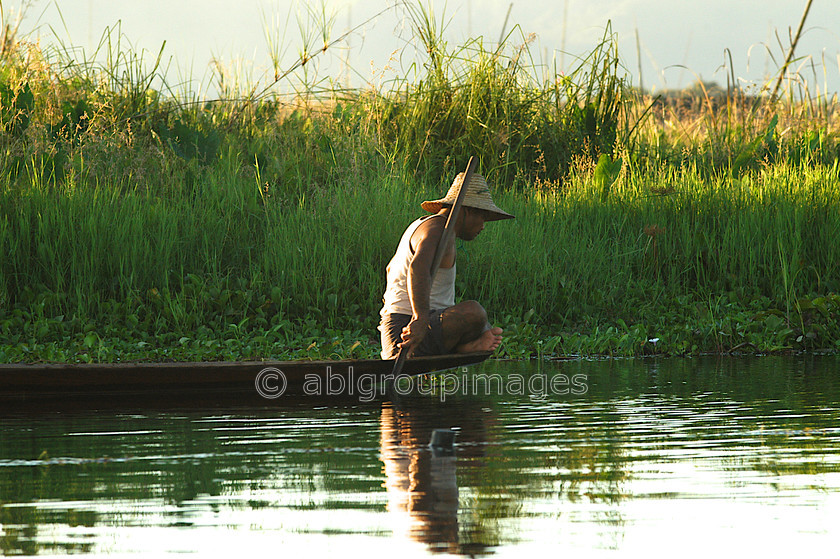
(425, 243)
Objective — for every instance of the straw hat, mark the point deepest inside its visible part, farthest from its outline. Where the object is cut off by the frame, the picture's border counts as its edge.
(476, 196)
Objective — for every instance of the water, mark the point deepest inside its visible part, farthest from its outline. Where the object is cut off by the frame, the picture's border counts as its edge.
(689, 457)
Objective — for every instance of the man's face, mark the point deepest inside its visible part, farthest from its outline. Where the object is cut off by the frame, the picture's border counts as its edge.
(473, 223)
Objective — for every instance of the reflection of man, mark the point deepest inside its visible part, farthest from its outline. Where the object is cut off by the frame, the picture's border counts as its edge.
(421, 486)
(421, 314)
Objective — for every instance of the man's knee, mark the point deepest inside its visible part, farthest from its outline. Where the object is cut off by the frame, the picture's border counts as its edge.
(475, 314)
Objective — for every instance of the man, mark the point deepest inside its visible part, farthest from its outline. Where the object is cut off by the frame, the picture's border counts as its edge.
(421, 315)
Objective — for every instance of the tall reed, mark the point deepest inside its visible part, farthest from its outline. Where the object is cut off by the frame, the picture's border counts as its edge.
(493, 102)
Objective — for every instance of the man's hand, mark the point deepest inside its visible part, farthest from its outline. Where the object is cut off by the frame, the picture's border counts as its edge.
(414, 333)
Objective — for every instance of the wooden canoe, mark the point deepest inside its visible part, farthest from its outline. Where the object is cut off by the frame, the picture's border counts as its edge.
(267, 379)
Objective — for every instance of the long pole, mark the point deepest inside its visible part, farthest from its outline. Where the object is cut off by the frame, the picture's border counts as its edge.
(445, 238)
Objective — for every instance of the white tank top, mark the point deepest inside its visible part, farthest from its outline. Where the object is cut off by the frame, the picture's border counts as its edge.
(396, 293)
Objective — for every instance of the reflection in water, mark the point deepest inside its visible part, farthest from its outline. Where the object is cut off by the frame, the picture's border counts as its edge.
(421, 485)
(421, 482)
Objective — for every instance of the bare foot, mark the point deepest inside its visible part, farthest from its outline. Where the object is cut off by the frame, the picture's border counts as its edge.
(489, 340)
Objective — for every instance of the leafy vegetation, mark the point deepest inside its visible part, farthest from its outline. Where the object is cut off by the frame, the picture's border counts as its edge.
(139, 224)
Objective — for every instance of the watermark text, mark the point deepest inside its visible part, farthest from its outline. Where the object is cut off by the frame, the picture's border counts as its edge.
(272, 383)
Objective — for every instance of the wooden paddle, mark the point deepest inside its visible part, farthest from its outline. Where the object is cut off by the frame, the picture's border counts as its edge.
(448, 232)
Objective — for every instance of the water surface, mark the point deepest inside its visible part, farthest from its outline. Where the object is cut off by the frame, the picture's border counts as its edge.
(661, 457)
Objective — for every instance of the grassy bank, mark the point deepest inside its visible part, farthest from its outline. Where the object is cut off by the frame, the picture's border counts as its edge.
(138, 225)
(701, 265)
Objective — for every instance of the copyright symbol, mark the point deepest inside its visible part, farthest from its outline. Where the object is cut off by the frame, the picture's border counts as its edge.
(270, 383)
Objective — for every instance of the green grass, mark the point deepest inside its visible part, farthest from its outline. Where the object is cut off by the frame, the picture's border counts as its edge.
(665, 259)
(137, 224)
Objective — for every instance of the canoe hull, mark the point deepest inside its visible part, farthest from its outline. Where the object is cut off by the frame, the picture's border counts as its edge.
(269, 379)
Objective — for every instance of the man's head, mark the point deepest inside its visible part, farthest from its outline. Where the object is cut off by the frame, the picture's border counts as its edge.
(477, 197)
(471, 222)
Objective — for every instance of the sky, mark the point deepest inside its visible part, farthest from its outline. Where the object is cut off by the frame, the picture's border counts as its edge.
(679, 41)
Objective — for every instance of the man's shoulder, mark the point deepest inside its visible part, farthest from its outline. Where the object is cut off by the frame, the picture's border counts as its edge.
(433, 221)
(429, 224)
(430, 228)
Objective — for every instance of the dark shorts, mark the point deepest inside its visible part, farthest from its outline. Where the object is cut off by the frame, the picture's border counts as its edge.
(391, 326)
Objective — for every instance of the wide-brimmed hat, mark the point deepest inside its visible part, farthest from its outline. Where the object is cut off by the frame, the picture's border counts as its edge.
(476, 196)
